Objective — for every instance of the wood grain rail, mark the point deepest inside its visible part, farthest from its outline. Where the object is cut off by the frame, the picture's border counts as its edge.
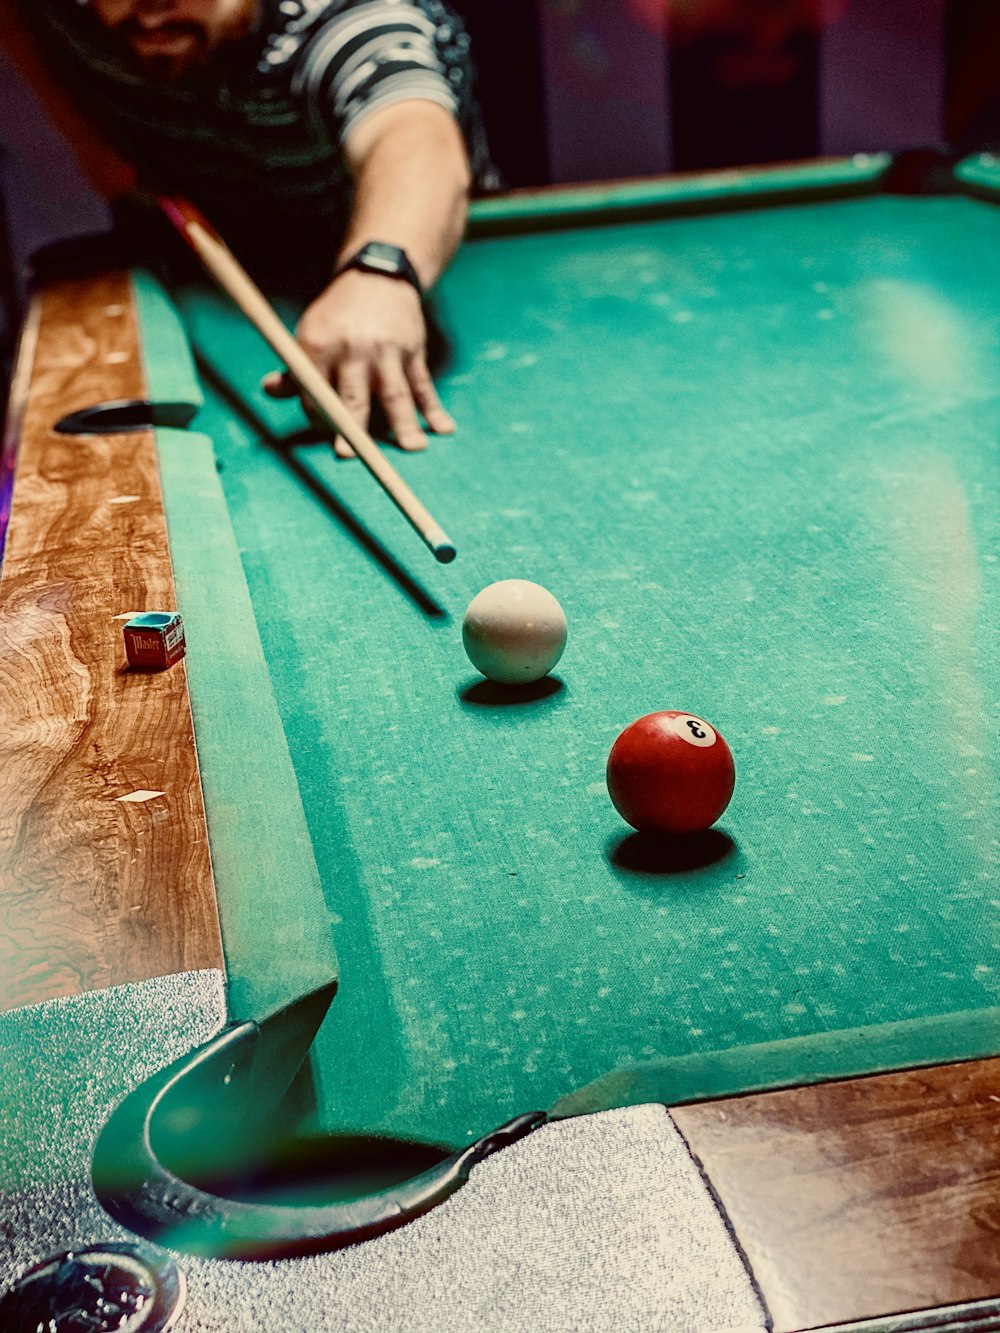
(95, 890)
(861, 1198)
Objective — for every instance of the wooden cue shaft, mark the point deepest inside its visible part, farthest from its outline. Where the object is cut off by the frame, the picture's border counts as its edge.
(229, 273)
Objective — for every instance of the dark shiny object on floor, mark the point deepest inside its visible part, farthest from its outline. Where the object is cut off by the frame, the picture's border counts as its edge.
(123, 1287)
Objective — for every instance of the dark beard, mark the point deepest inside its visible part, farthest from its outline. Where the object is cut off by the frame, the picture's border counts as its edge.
(162, 67)
(203, 65)
(166, 69)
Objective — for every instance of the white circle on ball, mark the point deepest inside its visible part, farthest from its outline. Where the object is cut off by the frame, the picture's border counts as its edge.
(694, 730)
(514, 631)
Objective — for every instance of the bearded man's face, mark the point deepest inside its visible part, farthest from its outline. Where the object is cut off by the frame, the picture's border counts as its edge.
(170, 39)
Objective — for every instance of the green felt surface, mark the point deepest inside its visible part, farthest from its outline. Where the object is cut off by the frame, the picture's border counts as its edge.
(980, 174)
(275, 921)
(666, 195)
(171, 376)
(755, 456)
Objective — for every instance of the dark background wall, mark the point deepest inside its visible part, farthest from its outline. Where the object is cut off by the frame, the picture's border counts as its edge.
(592, 89)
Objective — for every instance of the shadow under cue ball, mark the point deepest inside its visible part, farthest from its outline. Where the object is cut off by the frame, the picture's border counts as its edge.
(670, 772)
(514, 632)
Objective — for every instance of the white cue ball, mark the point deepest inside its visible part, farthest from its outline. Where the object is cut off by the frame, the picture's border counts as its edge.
(514, 632)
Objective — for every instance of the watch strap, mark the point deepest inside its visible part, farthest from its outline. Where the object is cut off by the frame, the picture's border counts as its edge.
(388, 260)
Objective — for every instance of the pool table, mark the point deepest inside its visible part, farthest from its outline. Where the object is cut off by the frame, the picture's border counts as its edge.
(745, 427)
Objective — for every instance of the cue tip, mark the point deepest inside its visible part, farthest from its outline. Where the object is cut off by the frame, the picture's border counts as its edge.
(439, 542)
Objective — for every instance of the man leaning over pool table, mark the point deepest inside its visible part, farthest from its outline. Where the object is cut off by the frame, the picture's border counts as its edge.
(319, 136)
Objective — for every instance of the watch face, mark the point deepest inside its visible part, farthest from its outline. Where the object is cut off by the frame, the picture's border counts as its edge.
(381, 258)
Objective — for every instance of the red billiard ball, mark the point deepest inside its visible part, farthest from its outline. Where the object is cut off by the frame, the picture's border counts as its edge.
(670, 772)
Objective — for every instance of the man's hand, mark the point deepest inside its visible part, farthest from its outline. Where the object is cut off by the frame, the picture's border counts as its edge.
(367, 334)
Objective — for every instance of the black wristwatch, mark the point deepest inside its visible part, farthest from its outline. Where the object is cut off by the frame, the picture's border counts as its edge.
(389, 260)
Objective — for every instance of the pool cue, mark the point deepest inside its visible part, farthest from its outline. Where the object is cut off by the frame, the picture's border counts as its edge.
(234, 280)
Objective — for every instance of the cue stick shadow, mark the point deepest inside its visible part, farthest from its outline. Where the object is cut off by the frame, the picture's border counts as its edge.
(282, 447)
(201, 1158)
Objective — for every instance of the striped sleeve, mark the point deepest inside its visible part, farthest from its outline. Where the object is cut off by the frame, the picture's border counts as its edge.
(373, 52)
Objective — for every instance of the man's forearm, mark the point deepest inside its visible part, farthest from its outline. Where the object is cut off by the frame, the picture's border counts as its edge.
(412, 182)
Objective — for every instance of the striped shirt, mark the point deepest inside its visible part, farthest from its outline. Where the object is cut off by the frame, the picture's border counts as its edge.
(261, 138)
